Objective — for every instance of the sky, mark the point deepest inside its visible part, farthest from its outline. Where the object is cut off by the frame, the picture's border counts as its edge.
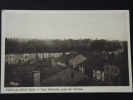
(111, 25)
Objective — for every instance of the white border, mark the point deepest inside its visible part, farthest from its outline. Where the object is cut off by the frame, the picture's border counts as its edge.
(86, 89)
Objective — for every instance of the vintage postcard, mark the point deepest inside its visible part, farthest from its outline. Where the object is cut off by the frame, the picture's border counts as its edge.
(61, 51)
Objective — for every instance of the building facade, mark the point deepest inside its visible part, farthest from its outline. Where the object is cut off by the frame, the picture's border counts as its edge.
(72, 60)
(112, 74)
(86, 67)
(82, 69)
(22, 58)
(98, 74)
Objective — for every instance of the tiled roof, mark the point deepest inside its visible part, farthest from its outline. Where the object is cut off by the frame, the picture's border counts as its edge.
(45, 65)
(67, 57)
(34, 60)
(119, 60)
(95, 64)
(101, 68)
(85, 63)
(51, 71)
(63, 78)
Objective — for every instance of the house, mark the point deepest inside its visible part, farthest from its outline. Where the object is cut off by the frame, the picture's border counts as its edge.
(86, 67)
(115, 52)
(10, 59)
(18, 58)
(98, 73)
(116, 71)
(92, 65)
(21, 74)
(32, 61)
(112, 74)
(25, 59)
(63, 76)
(26, 55)
(47, 72)
(32, 55)
(71, 60)
(22, 58)
(104, 52)
(121, 50)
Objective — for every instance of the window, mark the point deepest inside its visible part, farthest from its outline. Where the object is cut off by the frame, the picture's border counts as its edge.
(115, 70)
(95, 77)
(106, 77)
(112, 78)
(72, 75)
(101, 78)
(83, 70)
(111, 69)
(101, 72)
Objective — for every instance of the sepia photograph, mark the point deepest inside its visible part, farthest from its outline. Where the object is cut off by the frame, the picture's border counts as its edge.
(84, 49)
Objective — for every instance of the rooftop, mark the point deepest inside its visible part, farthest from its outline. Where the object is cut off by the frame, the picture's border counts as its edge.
(45, 73)
(67, 57)
(86, 63)
(119, 60)
(63, 78)
(101, 68)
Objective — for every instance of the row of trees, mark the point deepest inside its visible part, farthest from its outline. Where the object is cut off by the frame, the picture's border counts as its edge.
(80, 45)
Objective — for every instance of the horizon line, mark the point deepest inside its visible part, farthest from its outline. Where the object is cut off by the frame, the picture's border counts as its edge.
(65, 39)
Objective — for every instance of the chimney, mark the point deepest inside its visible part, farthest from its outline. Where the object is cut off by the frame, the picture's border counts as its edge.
(36, 78)
(53, 63)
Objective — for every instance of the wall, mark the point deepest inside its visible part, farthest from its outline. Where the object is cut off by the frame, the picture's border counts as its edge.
(15, 58)
(99, 75)
(81, 69)
(111, 74)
